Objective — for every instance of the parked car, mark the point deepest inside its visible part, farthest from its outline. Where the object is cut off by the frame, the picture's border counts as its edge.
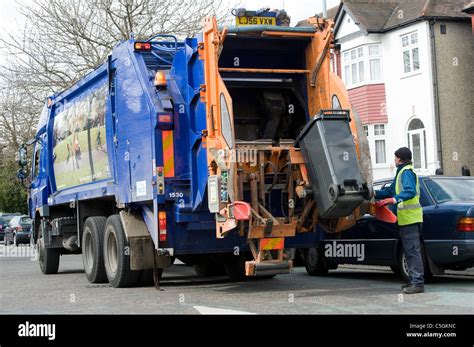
(5, 218)
(447, 234)
(18, 230)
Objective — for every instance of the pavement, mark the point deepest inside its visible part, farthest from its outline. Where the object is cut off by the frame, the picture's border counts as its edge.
(348, 290)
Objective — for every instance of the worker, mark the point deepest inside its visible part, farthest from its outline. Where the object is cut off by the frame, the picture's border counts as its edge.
(403, 195)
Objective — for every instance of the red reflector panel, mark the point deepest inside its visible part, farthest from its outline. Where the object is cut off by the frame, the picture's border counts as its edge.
(162, 225)
(165, 118)
(241, 210)
(142, 46)
(466, 224)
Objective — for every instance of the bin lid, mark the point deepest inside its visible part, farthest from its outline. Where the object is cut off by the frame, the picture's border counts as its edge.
(323, 115)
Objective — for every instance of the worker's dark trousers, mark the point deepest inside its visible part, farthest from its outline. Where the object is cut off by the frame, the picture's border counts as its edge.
(410, 236)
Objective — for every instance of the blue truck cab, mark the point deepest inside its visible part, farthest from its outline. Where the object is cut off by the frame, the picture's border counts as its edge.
(186, 149)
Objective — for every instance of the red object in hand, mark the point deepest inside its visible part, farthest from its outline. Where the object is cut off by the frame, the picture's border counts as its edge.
(388, 201)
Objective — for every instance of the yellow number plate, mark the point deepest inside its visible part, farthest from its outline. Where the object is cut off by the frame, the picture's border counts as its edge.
(242, 21)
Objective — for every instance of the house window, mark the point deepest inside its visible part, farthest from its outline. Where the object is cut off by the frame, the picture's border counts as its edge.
(374, 63)
(380, 152)
(417, 143)
(379, 142)
(362, 64)
(376, 136)
(379, 129)
(410, 53)
(366, 130)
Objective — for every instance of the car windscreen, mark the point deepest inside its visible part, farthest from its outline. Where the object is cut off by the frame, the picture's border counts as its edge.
(25, 221)
(6, 219)
(445, 189)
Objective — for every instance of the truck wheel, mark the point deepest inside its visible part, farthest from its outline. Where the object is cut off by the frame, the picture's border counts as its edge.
(48, 258)
(116, 258)
(402, 265)
(314, 262)
(92, 249)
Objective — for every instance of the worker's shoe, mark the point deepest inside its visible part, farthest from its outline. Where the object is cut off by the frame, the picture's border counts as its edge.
(413, 289)
(405, 286)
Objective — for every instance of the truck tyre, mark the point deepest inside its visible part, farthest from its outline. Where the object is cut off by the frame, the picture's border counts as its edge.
(92, 249)
(48, 258)
(314, 262)
(116, 256)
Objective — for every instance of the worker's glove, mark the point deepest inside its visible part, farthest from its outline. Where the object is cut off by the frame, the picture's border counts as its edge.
(388, 201)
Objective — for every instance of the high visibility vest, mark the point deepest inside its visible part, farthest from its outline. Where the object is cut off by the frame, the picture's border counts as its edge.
(409, 211)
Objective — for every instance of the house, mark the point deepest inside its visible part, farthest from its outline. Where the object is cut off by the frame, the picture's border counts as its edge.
(407, 65)
(470, 10)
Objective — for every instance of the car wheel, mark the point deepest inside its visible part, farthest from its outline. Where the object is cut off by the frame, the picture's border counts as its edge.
(428, 275)
(395, 269)
(314, 262)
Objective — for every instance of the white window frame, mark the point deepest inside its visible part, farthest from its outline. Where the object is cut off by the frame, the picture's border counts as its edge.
(377, 132)
(348, 61)
(409, 48)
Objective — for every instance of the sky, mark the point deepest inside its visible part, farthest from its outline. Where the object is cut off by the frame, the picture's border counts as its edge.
(297, 9)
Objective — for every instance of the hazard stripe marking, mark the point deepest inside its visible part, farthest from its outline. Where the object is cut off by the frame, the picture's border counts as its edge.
(168, 153)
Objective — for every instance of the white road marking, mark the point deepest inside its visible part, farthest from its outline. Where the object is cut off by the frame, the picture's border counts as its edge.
(213, 310)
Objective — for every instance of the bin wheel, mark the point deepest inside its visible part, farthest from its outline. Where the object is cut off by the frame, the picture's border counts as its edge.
(333, 192)
(369, 192)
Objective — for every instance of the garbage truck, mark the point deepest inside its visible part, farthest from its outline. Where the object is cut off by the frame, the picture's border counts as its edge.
(225, 151)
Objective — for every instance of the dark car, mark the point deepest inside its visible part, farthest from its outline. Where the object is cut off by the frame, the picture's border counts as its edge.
(18, 230)
(5, 218)
(447, 234)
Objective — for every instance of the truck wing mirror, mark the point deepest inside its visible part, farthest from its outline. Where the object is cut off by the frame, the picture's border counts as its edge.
(21, 156)
(21, 174)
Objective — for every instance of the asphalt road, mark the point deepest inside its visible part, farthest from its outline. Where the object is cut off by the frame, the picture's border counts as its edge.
(348, 290)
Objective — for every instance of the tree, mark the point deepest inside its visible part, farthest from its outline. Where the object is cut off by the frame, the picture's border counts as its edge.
(18, 113)
(65, 39)
(13, 196)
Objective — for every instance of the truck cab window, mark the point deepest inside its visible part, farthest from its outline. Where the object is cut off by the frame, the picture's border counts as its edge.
(36, 162)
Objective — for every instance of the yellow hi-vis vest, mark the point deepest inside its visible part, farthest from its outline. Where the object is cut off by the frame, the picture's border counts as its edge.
(409, 211)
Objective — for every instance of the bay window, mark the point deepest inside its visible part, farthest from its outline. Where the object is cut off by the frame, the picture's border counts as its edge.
(362, 65)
